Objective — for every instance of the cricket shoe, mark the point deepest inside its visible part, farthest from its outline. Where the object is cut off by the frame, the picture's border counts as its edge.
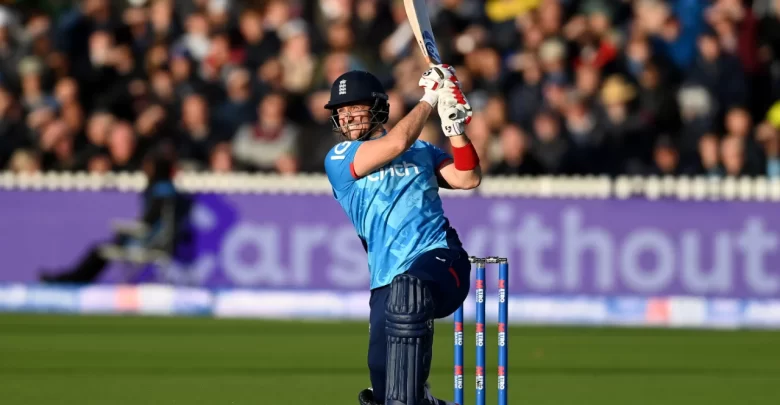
(366, 397)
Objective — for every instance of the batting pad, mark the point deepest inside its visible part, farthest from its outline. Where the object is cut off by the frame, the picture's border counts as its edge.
(409, 329)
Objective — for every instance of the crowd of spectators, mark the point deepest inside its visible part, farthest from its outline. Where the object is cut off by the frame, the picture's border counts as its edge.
(558, 86)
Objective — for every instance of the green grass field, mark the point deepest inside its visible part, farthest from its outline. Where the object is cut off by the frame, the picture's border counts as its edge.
(67, 360)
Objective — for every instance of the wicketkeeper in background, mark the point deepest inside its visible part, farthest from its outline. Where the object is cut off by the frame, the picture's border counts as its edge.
(387, 182)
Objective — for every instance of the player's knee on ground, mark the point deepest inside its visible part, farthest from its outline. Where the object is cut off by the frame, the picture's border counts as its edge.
(409, 329)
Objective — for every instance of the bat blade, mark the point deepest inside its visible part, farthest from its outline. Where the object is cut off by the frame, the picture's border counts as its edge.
(417, 13)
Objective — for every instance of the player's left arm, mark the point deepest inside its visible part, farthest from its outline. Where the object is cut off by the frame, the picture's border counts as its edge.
(461, 172)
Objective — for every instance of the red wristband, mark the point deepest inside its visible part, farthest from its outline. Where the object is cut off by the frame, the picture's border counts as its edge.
(465, 157)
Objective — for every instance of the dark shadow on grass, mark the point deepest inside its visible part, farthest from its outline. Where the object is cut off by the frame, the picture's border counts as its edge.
(139, 326)
(176, 330)
(294, 371)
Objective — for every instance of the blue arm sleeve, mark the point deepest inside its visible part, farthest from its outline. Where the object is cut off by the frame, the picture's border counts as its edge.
(338, 166)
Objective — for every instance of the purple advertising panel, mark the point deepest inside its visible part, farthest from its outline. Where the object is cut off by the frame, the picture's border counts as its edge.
(554, 246)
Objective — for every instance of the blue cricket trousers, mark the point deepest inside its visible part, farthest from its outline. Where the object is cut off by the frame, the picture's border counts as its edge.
(446, 272)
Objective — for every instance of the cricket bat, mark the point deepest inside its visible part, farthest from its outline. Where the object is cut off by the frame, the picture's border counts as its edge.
(417, 13)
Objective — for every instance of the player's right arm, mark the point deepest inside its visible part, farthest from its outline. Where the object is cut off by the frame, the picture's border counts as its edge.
(376, 153)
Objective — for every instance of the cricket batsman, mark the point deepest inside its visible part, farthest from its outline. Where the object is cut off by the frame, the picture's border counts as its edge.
(387, 182)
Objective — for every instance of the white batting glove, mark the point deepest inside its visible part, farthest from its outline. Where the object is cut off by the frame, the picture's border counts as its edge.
(435, 78)
(454, 122)
(454, 111)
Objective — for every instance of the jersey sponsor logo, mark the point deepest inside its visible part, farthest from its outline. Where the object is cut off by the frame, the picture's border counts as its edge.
(401, 169)
(339, 150)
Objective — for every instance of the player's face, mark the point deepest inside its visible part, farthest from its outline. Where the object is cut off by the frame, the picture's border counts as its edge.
(355, 120)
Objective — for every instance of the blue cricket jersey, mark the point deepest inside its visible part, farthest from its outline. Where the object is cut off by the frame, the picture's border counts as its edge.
(396, 210)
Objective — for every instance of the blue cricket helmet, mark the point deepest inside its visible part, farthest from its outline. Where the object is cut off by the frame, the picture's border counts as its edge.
(359, 87)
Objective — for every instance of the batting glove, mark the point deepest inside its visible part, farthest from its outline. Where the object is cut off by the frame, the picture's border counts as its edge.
(435, 78)
(454, 111)
(454, 120)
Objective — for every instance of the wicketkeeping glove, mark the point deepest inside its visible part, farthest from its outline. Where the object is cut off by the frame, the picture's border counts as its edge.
(435, 78)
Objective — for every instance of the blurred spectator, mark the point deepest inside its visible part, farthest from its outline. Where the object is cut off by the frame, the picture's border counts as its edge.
(666, 158)
(56, 142)
(720, 73)
(517, 158)
(587, 81)
(767, 136)
(195, 38)
(239, 107)
(13, 133)
(739, 125)
(164, 26)
(587, 135)
(260, 45)
(66, 94)
(97, 132)
(732, 154)
(270, 144)
(709, 156)
(697, 118)
(593, 34)
(296, 60)
(196, 133)
(525, 99)
(24, 161)
(657, 104)
(551, 149)
(221, 159)
(629, 141)
(122, 147)
(558, 87)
